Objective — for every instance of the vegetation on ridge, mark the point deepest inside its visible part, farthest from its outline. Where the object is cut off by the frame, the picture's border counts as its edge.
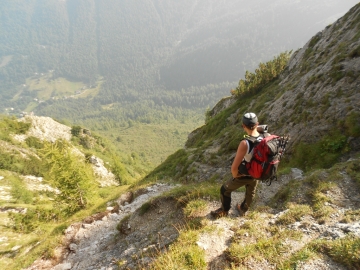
(264, 74)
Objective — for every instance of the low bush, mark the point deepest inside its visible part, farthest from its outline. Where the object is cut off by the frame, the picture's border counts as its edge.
(321, 154)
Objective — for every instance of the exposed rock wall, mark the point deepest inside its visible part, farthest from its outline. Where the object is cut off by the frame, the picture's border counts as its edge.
(321, 83)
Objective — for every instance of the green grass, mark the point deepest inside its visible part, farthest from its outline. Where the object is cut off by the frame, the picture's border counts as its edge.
(195, 208)
(46, 87)
(355, 52)
(46, 236)
(352, 124)
(151, 143)
(351, 216)
(285, 194)
(263, 242)
(122, 222)
(184, 253)
(344, 250)
(186, 193)
(255, 240)
(295, 213)
(293, 261)
(321, 154)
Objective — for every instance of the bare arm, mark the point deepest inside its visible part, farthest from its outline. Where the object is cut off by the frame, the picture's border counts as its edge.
(240, 153)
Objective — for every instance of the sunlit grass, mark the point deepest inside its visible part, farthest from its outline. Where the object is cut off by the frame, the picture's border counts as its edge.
(256, 240)
(46, 86)
(195, 208)
(293, 261)
(295, 213)
(46, 236)
(184, 253)
(344, 250)
(351, 215)
(186, 193)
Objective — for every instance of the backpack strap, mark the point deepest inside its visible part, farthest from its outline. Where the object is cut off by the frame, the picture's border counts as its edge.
(254, 139)
(251, 140)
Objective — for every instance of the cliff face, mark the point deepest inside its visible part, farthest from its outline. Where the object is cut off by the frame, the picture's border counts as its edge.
(321, 85)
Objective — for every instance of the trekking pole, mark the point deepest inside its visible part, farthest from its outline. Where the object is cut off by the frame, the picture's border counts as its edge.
(283, 143)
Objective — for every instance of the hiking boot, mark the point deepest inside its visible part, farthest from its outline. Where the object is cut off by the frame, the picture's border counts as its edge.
(218, 213)
(241, 211)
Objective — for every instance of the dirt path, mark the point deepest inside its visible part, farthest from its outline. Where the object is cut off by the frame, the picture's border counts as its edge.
(98, 245)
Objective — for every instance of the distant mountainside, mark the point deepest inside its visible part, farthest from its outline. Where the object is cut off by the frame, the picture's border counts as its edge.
(129, 51)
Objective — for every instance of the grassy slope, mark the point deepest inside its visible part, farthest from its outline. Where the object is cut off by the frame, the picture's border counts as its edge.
(23, 249)
(152, 143)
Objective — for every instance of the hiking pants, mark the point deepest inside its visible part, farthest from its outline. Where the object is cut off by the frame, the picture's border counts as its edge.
(233, 184)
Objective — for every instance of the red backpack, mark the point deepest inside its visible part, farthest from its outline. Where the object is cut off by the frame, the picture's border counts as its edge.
(266, 157)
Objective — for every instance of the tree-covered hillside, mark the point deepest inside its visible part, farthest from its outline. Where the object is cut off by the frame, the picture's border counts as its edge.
(145, 49)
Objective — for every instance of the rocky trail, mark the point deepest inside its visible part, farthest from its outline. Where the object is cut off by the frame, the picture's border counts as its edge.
(130, 237)
(95, 243)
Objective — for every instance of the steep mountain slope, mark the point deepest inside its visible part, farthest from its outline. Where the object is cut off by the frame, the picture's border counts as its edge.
(322, 82)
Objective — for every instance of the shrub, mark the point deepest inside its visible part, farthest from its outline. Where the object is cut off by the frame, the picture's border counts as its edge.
(17, 127)
(352, 124)
(76, 131)
(355, 53)
(118, 169)
(86, 142)
(19, 192)
(10, 125)
(34, 142)
(13, 161)
(29, 221)
(321, 154)
(69, 174)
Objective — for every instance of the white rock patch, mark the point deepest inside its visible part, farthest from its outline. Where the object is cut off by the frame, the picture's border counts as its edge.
(44, 128)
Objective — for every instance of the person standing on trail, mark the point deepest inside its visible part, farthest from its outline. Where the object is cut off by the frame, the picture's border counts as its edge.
(240, 176)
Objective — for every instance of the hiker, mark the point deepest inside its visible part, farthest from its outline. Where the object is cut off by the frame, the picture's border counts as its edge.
(240, 176)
